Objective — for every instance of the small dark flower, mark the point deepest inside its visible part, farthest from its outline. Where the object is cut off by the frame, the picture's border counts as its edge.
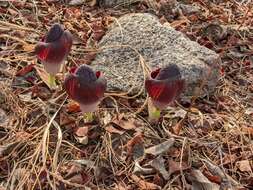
(86, 87)
(164, 85)
(54, 48)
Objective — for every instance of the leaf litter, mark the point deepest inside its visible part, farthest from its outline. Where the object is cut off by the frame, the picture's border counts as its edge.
(205, 144)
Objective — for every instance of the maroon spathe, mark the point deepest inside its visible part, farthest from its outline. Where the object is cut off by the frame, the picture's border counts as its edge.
(164, 85)
(54, 48)
(85, 86)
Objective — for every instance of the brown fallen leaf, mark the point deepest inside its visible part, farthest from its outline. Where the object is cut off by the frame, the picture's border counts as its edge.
(8, 148)
(120, 186)
(158, 164)
(229, 158)
(174, 167)
(244, 166)
(227, 182)
(144, 185)
(81, 2)
(247, 130)
(160, 148)
(212, 178)
(25, 70)
(81, 131)
(177, 127)
(81, 135)
(76, 174)
(112, 129)
(200, 182)
(123, 123)
(41, 92)
(135, 146)
(66, 119)
(73, 107)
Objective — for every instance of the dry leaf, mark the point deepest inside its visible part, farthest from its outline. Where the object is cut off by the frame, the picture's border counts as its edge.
(174, 167)
(177, 127)
(160, 148)
(43, 75)
(73, 107)
(77, 175)
(135, 146)
(144, 185)
(87, 163)
(249, 111)
(81, 135)
(81, 2)
(106, 118)
(141, 170)
(212, 178)
(158, 164)
(226, 180)
(247, 130)
(66, 119)
(3, 118)
(200, 182)
(178, 23)
(199, 113)
(81, 131)
(175, 112)
(244, 166)
(120, 186)
(25, 70)
(28, 47)
(8, 148)
(124, 124)
(112, 129)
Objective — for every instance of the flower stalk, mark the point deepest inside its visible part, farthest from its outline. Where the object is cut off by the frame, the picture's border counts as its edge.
(52, 81)
(88, 117)
(154, 113)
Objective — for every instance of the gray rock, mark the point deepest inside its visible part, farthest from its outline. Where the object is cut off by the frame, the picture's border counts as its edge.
(159, 45)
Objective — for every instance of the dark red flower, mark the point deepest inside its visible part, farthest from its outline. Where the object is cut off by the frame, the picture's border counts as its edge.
(54, 48)
(86, 87)
(164, 85)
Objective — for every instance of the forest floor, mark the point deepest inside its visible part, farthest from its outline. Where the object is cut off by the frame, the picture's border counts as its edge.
(44, 143)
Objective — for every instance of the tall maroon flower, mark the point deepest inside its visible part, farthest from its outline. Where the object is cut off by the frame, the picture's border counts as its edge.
(54, 48)
(164, 86)
(86, 87)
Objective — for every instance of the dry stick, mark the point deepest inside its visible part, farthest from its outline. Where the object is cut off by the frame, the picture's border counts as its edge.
(181, 161)
(17, 26)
